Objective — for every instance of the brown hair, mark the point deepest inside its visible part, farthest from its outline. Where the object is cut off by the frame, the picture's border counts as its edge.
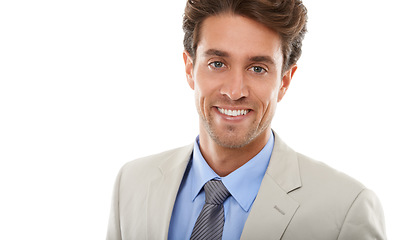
(287, 17)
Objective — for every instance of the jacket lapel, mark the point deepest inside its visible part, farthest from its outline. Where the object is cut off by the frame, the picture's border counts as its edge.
(163, 191)
(273, 208)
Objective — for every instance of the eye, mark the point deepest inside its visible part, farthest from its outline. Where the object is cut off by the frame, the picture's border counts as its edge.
(216, 64)
(258, 69)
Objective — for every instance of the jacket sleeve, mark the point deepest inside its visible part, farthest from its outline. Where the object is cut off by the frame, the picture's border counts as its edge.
(113, 232)
(364, 220)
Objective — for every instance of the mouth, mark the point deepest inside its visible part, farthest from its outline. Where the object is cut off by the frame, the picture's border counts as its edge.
(233, 113)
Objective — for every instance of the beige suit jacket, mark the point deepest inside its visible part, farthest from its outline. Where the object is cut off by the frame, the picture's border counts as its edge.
(299, 199)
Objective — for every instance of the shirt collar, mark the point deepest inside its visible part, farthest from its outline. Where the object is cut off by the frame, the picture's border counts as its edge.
(200, 171)
(243, 183)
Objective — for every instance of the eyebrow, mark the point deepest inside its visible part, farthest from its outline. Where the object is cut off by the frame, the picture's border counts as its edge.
(219, 53)
(215, 52)
(266, 59)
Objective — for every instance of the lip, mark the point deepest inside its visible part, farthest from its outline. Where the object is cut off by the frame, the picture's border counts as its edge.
(234, 107)
(233, 118)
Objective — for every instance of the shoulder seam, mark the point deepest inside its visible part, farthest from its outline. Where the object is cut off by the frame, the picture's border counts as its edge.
(350, 207)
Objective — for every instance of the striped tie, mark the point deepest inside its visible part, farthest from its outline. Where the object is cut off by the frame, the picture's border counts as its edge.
(209, 224)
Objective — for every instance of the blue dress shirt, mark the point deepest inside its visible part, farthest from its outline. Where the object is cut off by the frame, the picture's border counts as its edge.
(243, 184)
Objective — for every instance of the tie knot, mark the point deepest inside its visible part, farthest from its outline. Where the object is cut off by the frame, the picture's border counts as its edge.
(215, 192)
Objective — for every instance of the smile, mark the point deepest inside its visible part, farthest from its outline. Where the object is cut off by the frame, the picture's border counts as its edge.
(233, 113)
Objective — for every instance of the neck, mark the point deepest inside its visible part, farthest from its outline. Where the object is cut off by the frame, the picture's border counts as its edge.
(224, 160)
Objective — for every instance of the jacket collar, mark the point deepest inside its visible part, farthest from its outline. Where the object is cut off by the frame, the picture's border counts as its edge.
(283, 167)
(273, 208)
(163, 191)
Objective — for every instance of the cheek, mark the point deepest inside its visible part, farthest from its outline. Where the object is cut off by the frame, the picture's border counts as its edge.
(200, 100)
(206, 87)
(266, 94)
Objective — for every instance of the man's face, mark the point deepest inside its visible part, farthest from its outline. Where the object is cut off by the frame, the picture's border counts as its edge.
(237, 79)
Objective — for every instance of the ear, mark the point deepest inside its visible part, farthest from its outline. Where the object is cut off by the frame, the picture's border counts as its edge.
(286, 79)
(188, 68)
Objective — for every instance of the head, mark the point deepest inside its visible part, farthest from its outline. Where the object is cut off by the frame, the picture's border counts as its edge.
(286, 17)
(240, 56)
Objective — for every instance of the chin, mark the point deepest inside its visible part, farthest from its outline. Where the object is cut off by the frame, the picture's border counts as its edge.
(232, 140)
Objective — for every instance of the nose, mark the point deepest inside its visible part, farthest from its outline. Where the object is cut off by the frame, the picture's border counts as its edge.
(234, 86)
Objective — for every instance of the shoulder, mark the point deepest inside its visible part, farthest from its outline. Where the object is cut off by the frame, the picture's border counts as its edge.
(349, 207)
(317, 173)
(293, 170)
(325, 186)
(136, 175)
(152, 165)
(325, 189)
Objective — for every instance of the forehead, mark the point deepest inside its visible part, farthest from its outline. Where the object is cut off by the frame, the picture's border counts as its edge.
(239, 36)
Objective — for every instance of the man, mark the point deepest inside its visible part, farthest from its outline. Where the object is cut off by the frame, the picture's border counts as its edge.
(239, 180)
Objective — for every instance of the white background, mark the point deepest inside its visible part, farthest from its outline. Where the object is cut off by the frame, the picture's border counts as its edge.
(86, 86)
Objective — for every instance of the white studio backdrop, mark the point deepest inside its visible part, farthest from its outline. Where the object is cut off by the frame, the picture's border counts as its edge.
(86, 86)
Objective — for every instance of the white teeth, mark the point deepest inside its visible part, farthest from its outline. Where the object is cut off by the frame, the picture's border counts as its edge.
(233, 113)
